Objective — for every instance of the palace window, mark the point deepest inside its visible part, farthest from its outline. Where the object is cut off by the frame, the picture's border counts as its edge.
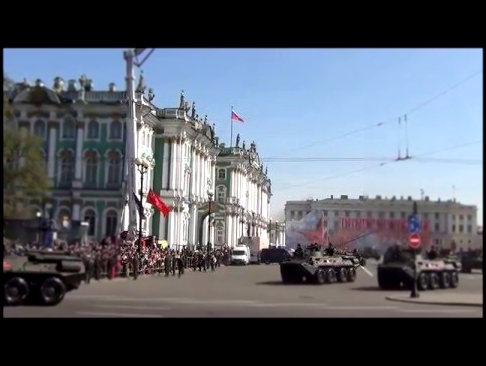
(91, 167)
(68, 128)
(66, 167)
(220, 235)
(116, 130)
(90, 218)
(114, 167)
(221, 173)
(93, 130)
(111, 222)
(221, 194)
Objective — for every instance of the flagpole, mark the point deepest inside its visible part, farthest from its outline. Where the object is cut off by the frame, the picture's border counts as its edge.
(231, 128)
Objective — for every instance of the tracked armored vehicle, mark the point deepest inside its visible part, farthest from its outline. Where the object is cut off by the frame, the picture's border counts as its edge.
(397, 272)
(40, 278)
(317, 268)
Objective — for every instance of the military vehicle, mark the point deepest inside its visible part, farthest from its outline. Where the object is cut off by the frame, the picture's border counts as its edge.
(40, 277)
(319, 269)
(369, 252)
(397, 272)
(471, 261)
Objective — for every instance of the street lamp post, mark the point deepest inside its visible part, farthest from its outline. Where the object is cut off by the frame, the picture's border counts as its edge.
(242, 220)
(39, 227)
(130, 57)
(253, 224)
(143, 167)
(210, 198)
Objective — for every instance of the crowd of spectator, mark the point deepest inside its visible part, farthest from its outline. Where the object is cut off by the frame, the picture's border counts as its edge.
(116, 257)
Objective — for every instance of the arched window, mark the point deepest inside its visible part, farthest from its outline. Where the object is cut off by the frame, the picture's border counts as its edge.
(221, 194)
(116, 130)
(91, 167)
(39, 128)
(68, 128)
(93, 130)
(90, 218)
(114, 167)
(67, 167)
(111, 223)
(220, 234)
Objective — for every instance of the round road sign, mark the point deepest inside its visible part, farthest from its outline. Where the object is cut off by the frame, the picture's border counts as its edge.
(414, 240)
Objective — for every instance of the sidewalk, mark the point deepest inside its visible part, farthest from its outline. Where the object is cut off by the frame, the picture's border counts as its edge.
(441, 298)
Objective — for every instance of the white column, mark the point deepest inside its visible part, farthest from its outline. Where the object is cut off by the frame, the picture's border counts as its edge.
(228, 225)
(78, 172)
(76, 212)
(51, 153)
(165, 163)
(193, 173)
(170, 234)
(172, 164)
(180, 165)
(199, 175)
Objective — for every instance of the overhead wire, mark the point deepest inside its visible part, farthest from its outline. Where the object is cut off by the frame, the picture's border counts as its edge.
(385, 122)
(349, 159)
(383, 163)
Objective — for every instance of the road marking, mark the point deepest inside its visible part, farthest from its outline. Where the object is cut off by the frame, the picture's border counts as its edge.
(276, 305)
(373, 308)
(189, 301)
(118, 315)
(132, 307)
(367, 271)
(439, 311)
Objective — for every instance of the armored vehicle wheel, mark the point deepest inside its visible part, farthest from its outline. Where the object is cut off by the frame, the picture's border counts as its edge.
(362, 262)
(351, 275)
(15, 291)
(342, 274)
(52, 291)
(454, 280)
(331, 276)
(445, 280)
(320, 277)
(434, 282)
(423, 281)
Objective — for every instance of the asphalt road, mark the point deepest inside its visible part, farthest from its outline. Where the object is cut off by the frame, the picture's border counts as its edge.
(253, 291)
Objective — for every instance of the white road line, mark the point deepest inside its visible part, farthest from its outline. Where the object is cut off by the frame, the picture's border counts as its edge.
(117, 315)
(439, 311)
(367, 271)
(132, 307)
(277, 305)
(372, 308)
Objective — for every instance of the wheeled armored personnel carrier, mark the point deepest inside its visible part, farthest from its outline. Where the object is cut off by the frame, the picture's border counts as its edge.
(397, 272)
(40, 277)
(319, 269)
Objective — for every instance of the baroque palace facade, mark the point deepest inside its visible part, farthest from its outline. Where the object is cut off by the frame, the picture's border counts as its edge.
(84, 141)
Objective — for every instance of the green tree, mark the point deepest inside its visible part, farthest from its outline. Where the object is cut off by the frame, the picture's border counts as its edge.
(24, 171)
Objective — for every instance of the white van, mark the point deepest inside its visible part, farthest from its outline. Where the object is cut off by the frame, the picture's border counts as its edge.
(240, 255)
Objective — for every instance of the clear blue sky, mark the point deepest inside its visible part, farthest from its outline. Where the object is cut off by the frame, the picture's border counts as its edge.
(293, 98)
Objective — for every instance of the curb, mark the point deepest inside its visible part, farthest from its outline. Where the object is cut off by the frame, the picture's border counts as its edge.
(430, 302)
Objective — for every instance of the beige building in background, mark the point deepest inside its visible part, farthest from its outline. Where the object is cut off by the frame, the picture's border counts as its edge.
(448, 220)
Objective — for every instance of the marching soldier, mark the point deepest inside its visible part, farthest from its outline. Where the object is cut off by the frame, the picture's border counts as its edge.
(167, 264)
